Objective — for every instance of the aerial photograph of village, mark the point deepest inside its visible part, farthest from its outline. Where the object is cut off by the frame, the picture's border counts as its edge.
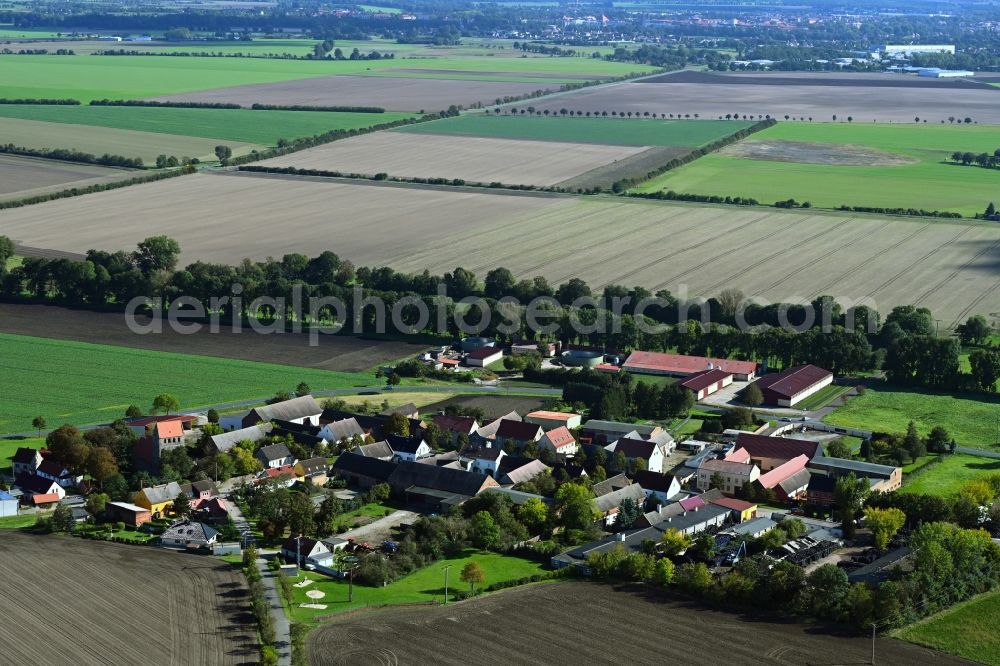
(499, 332)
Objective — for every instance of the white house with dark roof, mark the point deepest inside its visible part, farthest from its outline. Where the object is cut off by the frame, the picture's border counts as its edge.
(482, 459)
(408, 448)
(25, 461)
(274, 456)
(188, 534)
(650, 453)
(50, 469)
(303, 410)
(344, 429)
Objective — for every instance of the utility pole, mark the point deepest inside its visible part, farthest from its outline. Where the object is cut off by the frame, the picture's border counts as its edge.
(350, 585)
(446, 583)
(873, 643)
(298, 556)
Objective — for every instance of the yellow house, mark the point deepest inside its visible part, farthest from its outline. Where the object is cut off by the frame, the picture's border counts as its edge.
(314, 469)
(744, 510)
(158, 499)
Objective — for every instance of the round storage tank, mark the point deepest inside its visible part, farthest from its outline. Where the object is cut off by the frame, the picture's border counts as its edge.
(472, 344)
(578, 358)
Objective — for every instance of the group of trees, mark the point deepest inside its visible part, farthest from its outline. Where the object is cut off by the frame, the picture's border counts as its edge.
(616, 397)
(985, 160)
(71, 155)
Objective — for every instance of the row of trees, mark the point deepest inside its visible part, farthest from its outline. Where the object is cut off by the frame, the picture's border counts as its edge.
(985, 160)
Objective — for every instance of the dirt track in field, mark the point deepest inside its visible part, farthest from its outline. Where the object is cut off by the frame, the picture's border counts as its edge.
(814, 152)
(86, 603)
(861, 101)
(589, 623)
(342, 353)
(474, 159)
(393, 93)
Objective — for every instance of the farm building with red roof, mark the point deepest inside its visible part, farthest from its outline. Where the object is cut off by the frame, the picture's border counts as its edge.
(793, 385)
(770, 452)
(678, 365)
(707, 382)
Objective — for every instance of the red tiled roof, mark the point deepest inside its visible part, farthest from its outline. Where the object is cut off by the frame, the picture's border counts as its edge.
(518, 430)
(732, 503)
(792, 381)
(691, 503)
(451, 423)
(704, 379)
(739, 455)
(782, 448)
(45, 499)
(783, 471)
(559, 437)
(483, 352)
(162, 418)
(170, 429)
(680, 364)
(607, 367)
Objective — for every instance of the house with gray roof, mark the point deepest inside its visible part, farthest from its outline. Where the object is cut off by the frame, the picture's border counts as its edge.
(303, 409)
(189, 535)
(607, 505)
(225, 441)
(380, 450)
(274, 456)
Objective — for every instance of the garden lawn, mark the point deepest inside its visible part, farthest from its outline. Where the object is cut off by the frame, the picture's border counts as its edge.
(17, 522)
(130, 77)
(243, 125)
(947, 477)
(424, 585)
(930, 182)
(83, 383)
(970, 418)
(611, 131)
(968, 630)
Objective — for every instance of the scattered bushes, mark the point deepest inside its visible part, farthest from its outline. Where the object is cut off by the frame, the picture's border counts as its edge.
(70, 155)
(40, 102)
(171, 105)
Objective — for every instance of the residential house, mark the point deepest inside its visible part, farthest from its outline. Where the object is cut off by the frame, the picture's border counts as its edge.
(659, 514)
(607, 505)
(33, 485)
(362, 471)
(372, 426)
(707, 382)
(225, 441)
(882, 478)
(551, 420)
(50, 469)
(519, 497)
(408, 448)
(189, 535)
(489, 431)
(482, 458)
(157, 434)
(409, 410)
(821, 489)
(435, 488)
(25, 461)
(199, 490)
(455, 426)
(313, 469)
(213, 511)
(158, 500)
(754, 528)
(610, 484)
(8, 504)
(301, 433)
(283, 476)
(380, 450)
(517, 434)
(303, 550)
(303, 409)
(514, 470)
(741, 511)
(791, 386)
(274, 456)
(566, 471)
(342, 430)
(635, 450)
(730, 476)
(596, 431)
(658, 487)
(769, 452)
(559, 441)
(130, 514)
(697, 520)
(787, 481)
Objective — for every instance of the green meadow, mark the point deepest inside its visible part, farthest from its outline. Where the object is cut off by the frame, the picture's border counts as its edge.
(614, 131)
(129, 77)
(928, 181)
(948, 476)
(244, 125)
(968, 630)
(82, 383)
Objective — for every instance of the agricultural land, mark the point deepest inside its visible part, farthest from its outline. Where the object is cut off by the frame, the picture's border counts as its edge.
(946, 266)
(970, 419)
(967, 630)
(945, 478)
(865, 97)
(87, 383)
(416, 635)
(108, 594)
(831, 164)
(25, 176)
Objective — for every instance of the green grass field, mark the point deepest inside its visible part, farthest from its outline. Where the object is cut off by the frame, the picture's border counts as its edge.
(17, 522)
(680, 133)
(926, 183)
(946, 477)
(81, 383)
(968, 630)
(244, 125)
(126, 77)
(8, 447)
(971, 419)
(426, 584)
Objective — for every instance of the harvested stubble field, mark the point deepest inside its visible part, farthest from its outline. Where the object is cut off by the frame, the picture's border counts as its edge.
(831, 164)
(493, 406)
(70, 601)
(857, 98)
(341, 353)
(26, 176)
(100, 140)
(240, 125)
(950, 267)
(400, 94)
(473, 159)
(600, 612)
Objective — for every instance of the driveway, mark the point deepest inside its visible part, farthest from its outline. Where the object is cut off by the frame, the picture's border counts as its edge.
(381, 529)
